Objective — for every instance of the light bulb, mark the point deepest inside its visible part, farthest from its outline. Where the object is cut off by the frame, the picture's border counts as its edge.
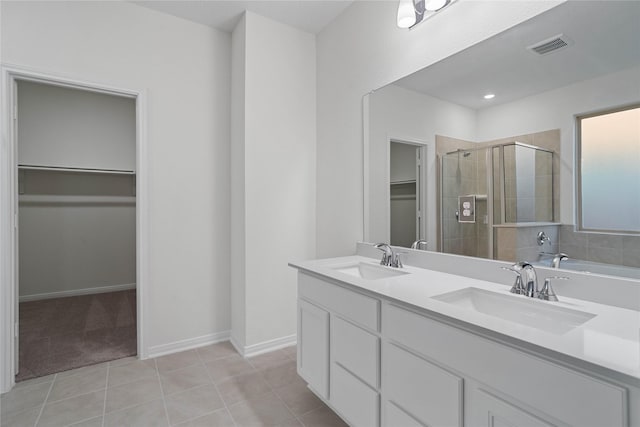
(489, 96)
(433, 5)
(406, 14)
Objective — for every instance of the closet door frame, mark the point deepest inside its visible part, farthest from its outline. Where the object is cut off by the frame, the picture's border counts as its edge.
(9, 204)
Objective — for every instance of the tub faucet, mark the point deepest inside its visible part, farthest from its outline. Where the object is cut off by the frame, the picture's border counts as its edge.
(389, 257)
(557, 258)
(418, 243)
(542, 237)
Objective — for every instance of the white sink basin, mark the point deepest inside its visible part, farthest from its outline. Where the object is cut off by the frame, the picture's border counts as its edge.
(519, 309)
(369, 271)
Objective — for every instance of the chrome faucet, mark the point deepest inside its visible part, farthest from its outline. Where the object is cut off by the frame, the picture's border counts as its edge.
(542, 237)
(389, 257)
(557, 258)
(547, 293)
(418, 243)
(527, 282)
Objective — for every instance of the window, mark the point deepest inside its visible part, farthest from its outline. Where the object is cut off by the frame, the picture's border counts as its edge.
(608, 180)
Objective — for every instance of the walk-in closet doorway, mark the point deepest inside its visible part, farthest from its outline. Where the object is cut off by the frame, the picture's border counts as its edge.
(73, 236)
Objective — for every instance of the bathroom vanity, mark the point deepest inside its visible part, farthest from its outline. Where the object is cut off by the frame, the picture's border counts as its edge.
(415, 347)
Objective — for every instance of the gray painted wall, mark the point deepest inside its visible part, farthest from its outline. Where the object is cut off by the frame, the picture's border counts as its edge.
(65, 127)
(76, 230)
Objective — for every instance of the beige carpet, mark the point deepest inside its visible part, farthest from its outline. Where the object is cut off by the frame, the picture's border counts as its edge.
(66, 333)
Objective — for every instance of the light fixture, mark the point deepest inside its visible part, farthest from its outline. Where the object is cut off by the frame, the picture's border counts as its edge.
(406, 14)
(490, 96)
(412, 12)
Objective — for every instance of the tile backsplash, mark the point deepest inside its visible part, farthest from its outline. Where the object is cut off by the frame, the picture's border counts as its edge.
(599, 247)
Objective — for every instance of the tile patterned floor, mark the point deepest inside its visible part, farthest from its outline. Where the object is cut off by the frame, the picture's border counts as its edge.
(210, 386)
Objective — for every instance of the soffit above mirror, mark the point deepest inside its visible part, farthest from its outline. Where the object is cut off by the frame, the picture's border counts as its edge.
(603, 37)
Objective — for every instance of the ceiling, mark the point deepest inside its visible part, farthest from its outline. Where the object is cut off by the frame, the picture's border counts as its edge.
(308, 15)
(605, 36)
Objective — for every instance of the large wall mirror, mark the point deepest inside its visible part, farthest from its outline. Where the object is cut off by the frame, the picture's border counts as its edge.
(476, 154)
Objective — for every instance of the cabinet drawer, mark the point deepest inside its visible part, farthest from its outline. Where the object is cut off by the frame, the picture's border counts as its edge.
(490, 411)
(356, 402)
(430, 394)
(355, 349)
(349, 304)
(549, 388)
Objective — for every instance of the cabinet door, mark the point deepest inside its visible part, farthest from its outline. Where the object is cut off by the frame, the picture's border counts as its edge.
(313, 347)
(490, 411)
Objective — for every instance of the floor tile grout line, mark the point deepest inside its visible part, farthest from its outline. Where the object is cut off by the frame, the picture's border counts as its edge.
(106, 390)
(217, 389)
(75, 395)
(45, 400)
(273, 390)
(284, 403)
(164, 401)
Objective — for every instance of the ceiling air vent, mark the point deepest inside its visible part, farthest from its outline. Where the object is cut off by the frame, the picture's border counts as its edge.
(551, 44)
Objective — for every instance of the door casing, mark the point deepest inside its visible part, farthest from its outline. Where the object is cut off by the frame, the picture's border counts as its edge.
(9, 204)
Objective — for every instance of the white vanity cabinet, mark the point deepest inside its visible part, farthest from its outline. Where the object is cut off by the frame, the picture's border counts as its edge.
(378, 362)
(352, 364)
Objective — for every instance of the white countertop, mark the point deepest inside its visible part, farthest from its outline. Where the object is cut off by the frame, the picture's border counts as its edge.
(610, 340)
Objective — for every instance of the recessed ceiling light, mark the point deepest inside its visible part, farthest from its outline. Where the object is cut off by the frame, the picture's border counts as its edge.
(489, 96)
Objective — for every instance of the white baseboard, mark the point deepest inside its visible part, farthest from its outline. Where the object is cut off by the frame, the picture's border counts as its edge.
(76, 292)
(266, 346)
(188, 344)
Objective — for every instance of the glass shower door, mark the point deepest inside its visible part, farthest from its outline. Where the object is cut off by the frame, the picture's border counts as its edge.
(464, 174)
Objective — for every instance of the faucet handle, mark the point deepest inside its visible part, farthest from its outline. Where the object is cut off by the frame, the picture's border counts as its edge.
(547, 293)
(397, 262)
(518, 287)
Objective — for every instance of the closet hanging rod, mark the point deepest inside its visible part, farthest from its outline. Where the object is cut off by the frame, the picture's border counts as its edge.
(82, 170)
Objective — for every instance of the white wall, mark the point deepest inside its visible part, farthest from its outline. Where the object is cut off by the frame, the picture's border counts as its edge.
(398, 113)
(279, 174)
(360, 51)
(238, 235)
(185, 70)
(557, 109)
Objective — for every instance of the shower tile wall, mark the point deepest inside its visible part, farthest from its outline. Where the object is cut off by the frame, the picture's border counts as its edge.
(520, 243)
(454, 182)
(472, 239)
(465, 175)
(597, 247)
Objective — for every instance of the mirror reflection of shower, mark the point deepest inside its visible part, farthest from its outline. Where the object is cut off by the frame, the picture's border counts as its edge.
(491, 186)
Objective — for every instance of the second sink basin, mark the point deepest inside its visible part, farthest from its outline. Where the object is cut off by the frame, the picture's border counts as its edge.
(369, 271)
(518, 309)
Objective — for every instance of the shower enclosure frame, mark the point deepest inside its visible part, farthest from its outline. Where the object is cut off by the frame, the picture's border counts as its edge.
(490, 187)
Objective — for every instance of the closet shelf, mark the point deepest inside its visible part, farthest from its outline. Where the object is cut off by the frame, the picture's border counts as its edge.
(75, 199)
(404, 197)
(79, 170)
(411, 181)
